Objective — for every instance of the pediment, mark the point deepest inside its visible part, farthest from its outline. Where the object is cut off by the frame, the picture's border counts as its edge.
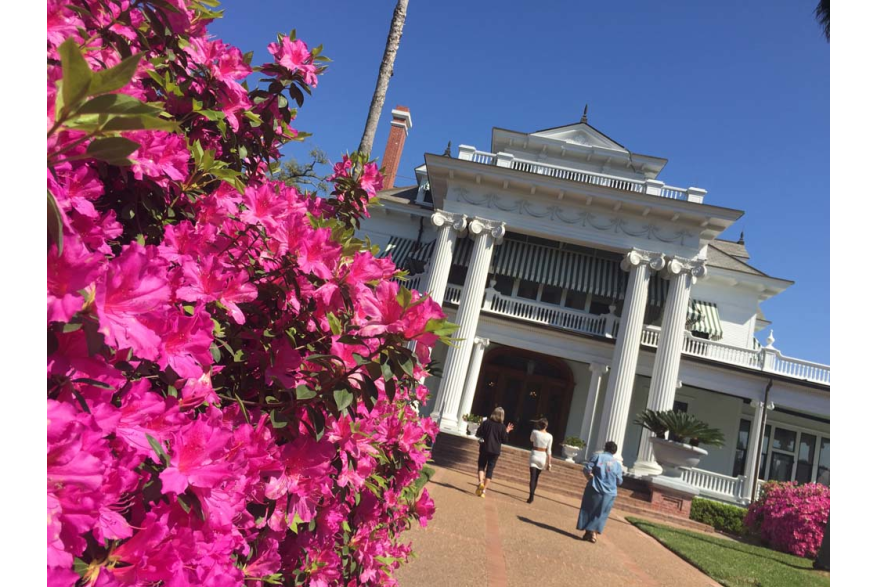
(582, 135)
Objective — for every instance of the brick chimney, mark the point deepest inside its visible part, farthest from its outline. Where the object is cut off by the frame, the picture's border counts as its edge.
(395, 143)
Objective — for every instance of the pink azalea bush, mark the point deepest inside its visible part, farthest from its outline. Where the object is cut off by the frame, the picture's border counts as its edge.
(790, 517)
(230, 390)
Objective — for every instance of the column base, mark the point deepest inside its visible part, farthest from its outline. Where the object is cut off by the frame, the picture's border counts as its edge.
(672, 496)
(646, 469)
(451, 424)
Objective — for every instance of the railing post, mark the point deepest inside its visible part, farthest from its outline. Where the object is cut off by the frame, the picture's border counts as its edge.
(504, 159)
(653, 187)
(466, 152)
(695, 195)
(609, 323)
(769, 354)
(489, 295)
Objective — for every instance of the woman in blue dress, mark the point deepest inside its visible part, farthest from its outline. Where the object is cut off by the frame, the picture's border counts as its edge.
(603, 472)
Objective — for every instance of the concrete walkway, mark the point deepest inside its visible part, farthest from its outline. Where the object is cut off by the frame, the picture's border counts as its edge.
(502, 541)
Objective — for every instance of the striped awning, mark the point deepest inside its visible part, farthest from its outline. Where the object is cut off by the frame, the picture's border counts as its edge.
(704, 317)
(462, 252)
(557, 267)
(398, 249)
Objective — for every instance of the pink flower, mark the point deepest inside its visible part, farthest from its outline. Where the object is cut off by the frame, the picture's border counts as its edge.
(134, 286)
(67, 274)
(263, 205)
(295, 56)
(372, 180)
(424, 508)
(162, 156)
(186, 343)
(198, 458)
(209, 281)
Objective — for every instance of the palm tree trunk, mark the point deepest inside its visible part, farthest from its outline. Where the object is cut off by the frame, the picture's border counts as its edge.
(386, 71)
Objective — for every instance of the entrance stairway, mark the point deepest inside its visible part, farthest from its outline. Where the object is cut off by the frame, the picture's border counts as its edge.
(460, 453)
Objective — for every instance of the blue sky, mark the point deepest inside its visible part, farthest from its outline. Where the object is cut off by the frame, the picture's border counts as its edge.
(735, 95)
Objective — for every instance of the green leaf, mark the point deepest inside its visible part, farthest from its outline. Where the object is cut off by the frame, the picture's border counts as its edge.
(117, 104)
(334, 323)
(93, 383)
(56, 225)
(293, 524)
(139, 122)
(302, 392)
(159, 450)
(113, 150)
(114, 78)
(343, 398)
(76, 76)
(279, 419)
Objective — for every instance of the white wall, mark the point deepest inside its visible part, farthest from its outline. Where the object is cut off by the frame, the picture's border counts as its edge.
(737, 310)
(718, 411)
(385, 223)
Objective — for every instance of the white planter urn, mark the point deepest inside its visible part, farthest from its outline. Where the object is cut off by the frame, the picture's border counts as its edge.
(471, 428)
(671, 455)
(570, 452)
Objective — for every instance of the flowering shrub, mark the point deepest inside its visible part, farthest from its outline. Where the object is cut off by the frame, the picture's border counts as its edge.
(790, 517)
(230, 389)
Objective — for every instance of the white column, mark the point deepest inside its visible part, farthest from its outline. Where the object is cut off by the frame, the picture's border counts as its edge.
(485, 233)
(479, 344)
(447, 226)
(683, 273)
(597, 373)
(753, 449)
(619, 390)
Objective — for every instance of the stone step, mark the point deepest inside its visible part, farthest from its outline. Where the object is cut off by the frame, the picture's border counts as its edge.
(460, 453)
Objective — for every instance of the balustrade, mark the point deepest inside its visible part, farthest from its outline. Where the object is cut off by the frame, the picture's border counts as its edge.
(715, 485)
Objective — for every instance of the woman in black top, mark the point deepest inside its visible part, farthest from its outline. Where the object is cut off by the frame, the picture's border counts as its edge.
(492, 434)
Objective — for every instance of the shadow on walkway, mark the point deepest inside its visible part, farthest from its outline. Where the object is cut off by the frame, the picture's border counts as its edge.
(547, 527)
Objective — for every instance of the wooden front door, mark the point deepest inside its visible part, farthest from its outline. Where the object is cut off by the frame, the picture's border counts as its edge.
(527, 386)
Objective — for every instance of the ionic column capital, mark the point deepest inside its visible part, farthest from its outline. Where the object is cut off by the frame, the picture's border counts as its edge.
(680, 266)
(456, 221)
(481, 342)
(492, 228)
(598, 369)
(636, 257)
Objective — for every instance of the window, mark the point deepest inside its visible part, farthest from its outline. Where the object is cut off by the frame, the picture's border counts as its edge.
(457, 275)
(784, 440)
(504, 284)
(680, 406)
(528, 289)
(575, 300)
(823, 459)
(781, 467)
(551, 294)
(742, 448)
(600, 305)
(806, 450)
(765, 445)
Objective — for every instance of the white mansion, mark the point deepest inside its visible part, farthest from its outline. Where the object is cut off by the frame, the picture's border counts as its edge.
(586, 290)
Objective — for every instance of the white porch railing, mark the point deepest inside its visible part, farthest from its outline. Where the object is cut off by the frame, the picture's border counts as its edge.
(650, 187)
(547, 314)
(765, 359)
(800, 369)
(715, 485)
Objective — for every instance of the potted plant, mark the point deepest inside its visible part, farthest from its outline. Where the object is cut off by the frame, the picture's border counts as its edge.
(472, 423)
(571, 447)
(677, 439)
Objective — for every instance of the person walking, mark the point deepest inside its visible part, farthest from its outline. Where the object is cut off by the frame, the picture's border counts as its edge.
(603, 472)
(492, 434)
(540, 456)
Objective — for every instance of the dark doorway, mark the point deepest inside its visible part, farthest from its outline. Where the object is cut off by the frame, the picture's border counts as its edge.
(527, 386)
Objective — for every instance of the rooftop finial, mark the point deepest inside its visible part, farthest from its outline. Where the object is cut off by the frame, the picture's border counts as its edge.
(741, 241)
(447, 152)
(585, 115)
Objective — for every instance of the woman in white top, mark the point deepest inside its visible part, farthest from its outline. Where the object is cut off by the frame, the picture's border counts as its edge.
(540, 456)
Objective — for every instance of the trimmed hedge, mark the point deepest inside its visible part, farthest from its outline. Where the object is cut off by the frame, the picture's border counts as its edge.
(722, 517)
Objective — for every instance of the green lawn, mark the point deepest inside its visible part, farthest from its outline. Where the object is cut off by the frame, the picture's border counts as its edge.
(734, 564)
